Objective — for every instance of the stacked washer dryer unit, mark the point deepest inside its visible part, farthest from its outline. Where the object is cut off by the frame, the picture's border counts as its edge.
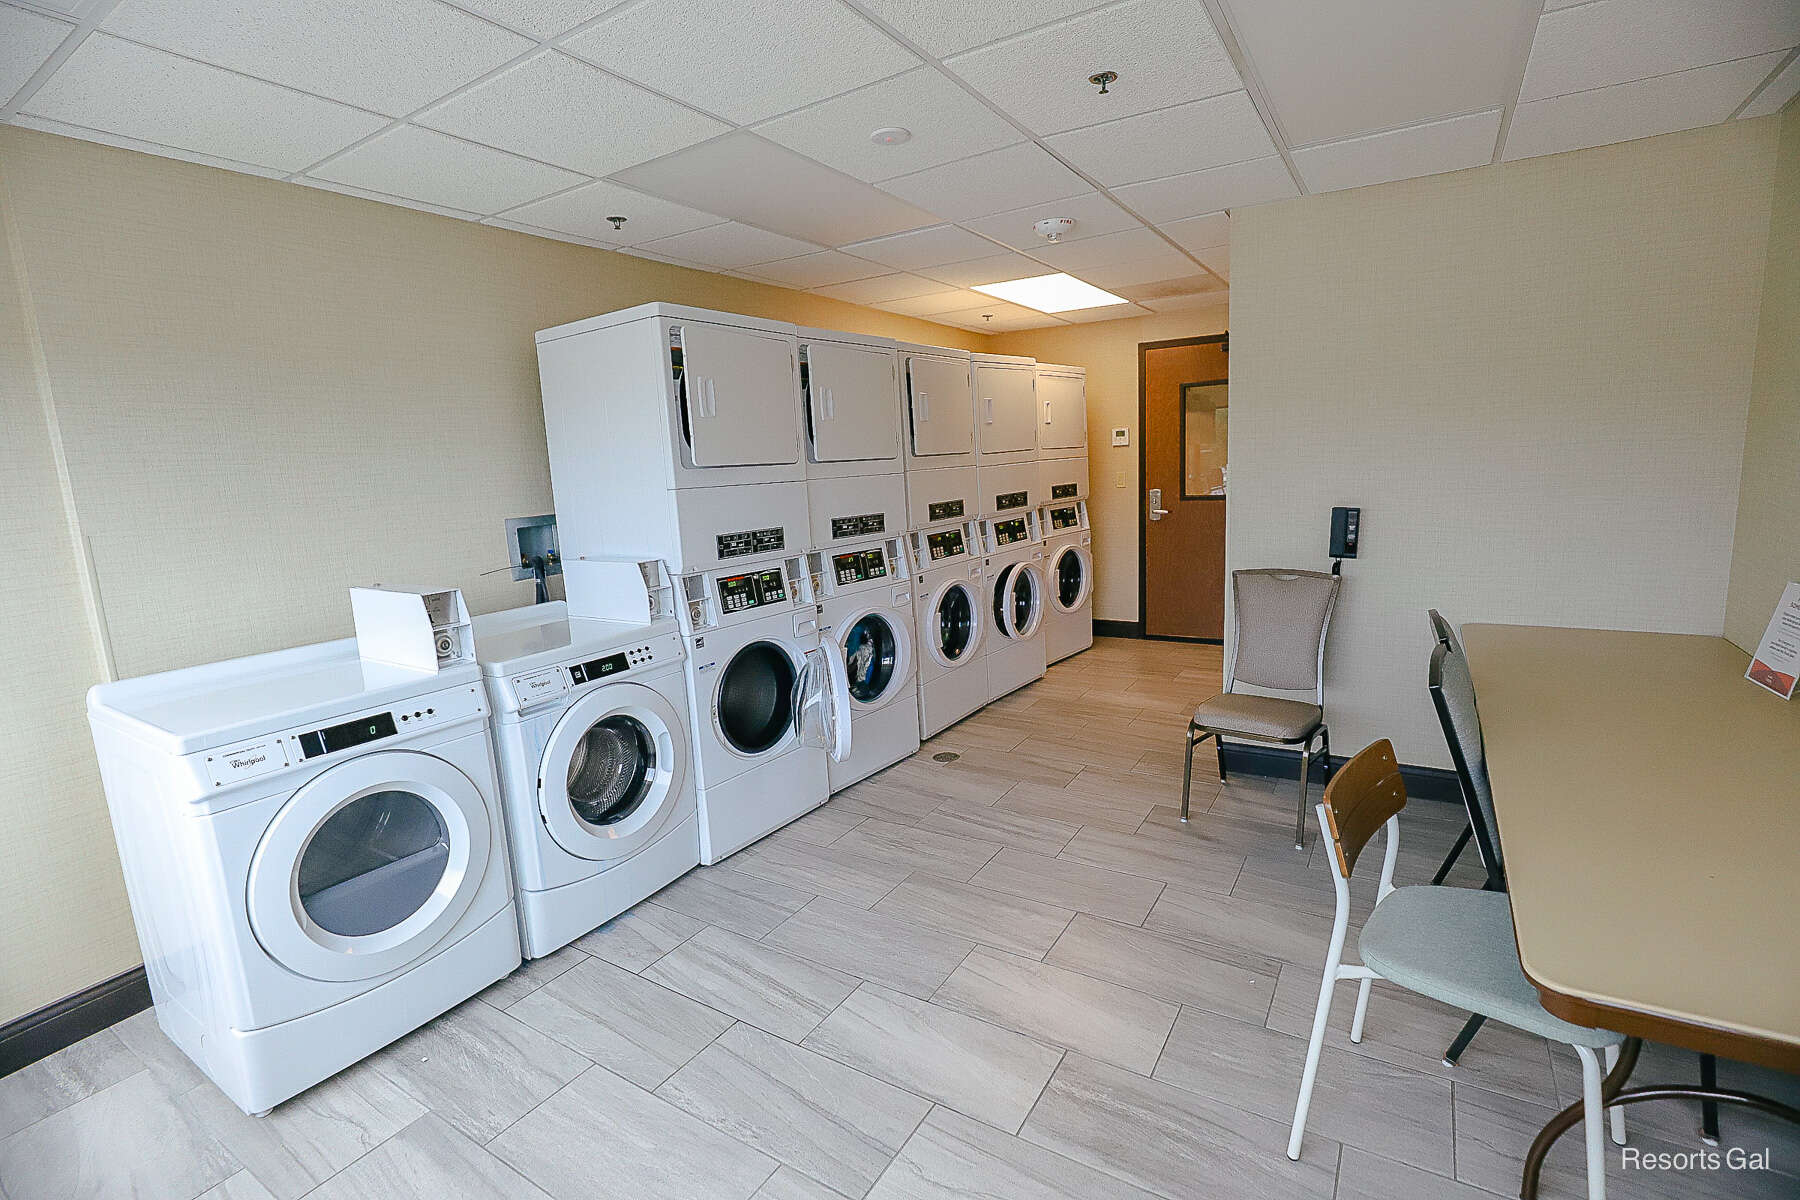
(1006, 463)
(314, 852)
(943, 502)
(677, 434)
(1063, 512)
(856, 491)
(591, 729)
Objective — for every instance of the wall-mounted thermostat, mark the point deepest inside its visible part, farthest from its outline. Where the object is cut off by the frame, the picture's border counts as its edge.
(1121, 437)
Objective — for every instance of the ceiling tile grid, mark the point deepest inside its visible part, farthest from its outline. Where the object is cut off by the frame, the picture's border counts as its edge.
(738, 138)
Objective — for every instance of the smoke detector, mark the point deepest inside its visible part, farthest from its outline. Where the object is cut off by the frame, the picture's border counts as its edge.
(1052, 229)
(891, 135)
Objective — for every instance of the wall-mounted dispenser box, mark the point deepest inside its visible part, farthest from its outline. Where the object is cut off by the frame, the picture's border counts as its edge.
(422, 631)
(528, 538)
(1346, 526)
(620, 589)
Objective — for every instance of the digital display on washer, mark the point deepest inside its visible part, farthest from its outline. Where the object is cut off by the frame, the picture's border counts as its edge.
(943, 510)
(865, 525)
(1006, 500)
(598, 668)
(738, 593)
(859, 565)
(371, 728)
(945, 544)
(1008, 532)
(1063, 518)
(1063, 491)
(751, 541)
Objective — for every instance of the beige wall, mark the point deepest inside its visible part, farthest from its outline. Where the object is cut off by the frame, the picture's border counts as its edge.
(266, 393)
(1108, 349)
(1765, 554)
(1533, 377)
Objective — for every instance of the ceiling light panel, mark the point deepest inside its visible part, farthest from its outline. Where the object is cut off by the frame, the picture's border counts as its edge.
(946, 123)
(1093, 215)
(121, 88)
(1428, 149)
(923, 248)
(584, 212)
(553, 108)
(730, 245)
(744, 61)
(422, 164)
(1239, 185)
(1053, 293)
(27, 41)
(539, 18)
(393, 57)
(1617, 41)
(1165, 51)
(1643, 108)
(1189, 137)
(942, 27)
(1331, 71)
(823, 269)
(989, 183)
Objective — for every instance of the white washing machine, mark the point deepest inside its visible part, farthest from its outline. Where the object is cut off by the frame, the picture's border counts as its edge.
(950, 618)
(855, 474)
(1006, 427)
(676, 434)
(1062, 433)
(1068, 580)
(1016, 599)
(770, 703)
(866, 613)
(591, 733)
(314, 852)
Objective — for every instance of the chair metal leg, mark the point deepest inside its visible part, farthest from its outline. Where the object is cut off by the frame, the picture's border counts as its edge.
(1362, 1010)
(1325, 750)
(1300, 817)
(1462, 839)
(1617, 1112)
(1219, 744)
(1709, 1109)
(1593, 1119)
(1463, 1039)
(1321, 1018)
(1187, 772)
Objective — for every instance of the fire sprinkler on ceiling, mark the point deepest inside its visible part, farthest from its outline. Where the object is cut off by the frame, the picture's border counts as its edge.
(618, 223)
(1053, 229)
(1104, 80)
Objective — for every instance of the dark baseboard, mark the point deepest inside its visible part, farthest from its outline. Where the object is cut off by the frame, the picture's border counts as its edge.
(42, 1033)
(1119, 629)
(1274, 762)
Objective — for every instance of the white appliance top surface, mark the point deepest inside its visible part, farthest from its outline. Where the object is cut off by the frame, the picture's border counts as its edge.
(196, 708)
(677, 312)
(545, 635)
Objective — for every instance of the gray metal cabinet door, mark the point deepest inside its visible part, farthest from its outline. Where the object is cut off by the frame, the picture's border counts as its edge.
(1005, 408)
(1062, 405)
(854, 405)
(943, 419)
(742, 396)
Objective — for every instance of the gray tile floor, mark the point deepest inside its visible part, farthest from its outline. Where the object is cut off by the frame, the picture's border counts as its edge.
(1013, 974)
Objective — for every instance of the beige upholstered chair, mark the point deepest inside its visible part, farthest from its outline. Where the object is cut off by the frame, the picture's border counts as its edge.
(1279, 619)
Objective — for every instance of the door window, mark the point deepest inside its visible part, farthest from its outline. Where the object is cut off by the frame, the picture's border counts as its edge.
(955, 623)
(756, 697)
(611, 770)
(373, 863)
(1002, 594)
(1024, 600)
(1069, 578)
(870, 652)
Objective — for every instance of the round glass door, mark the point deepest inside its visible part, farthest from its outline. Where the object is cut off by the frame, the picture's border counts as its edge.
(871, 657)
(1003, 601)
(610, 770)
(1071, 579)
(955, 622)
(373, 863)
(1025, 595)
(756, 698)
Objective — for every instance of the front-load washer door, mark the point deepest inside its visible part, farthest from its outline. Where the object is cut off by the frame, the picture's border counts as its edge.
(875, 657)
(955, 623)
(1070, 578)
(753, 702)
(368, 865)
(1018, 597)
(613, 768)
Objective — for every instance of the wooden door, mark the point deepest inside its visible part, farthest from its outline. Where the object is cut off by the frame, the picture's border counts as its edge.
(1182, 422)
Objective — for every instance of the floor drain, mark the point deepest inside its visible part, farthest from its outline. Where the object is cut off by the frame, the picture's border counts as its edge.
(946, 756)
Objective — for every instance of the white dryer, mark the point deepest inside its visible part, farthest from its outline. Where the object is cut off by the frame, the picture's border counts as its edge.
(591, 732)
(949, 615)
(1062, 433)
(866, 614)
(1006, 427)
(855, 474)
(314, 852)
(770, 703)
(938, 415)
(1016, 599)
(1069, 580)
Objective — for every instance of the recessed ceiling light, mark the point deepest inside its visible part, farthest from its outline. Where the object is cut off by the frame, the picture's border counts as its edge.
(1050, 293)
(892, 135)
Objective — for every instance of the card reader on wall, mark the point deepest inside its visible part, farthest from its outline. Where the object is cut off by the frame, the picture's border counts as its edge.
(1345, 526)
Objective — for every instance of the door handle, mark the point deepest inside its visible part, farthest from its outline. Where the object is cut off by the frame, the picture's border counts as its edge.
(712, 400)
(830, 405)
(990, 409)
(1046, 412)
(924, 407)
(1157, 511)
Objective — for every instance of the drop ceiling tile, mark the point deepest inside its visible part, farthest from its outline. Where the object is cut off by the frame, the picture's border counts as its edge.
(1200, 284)
(1133, 244)
(1335, 70)
(553, 108)
(1211, 300)
(989, 183)
(922, 248)
(817, 270)
(1188, 137)
(997, 316)
(1617, 41)
(1129, 272)
(344, 189)
(932, 303)
(748, 179)
(1643, 108)
(1240, 185)
(121, 88)
(1196, 233)
(995, 268)
(101, 138)
(1106, 312)
(941, 27)
(730, 245)
(1217, 259)
(1165, 52)
(881, 289)
(946, 124)
(1093, 215)
(743, 61)
(392, 57)
(539, 18)
(1773, 98)
(27, 41)
(584, 210)
(1428, 149)
(555, 235)
(422, 164)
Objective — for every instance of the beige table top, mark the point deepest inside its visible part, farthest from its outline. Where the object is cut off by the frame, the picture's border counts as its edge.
(1648, 798)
